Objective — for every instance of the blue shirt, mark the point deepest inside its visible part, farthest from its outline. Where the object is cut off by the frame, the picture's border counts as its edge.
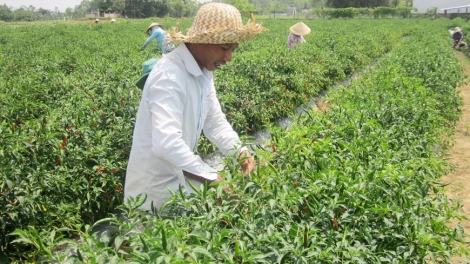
(457, 36)
(159, 35)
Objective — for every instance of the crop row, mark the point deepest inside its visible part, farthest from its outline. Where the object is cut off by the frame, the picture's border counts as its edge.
(68, 105)
(355, 183)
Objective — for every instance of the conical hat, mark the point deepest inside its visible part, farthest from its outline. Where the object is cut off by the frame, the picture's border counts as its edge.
(300, 29)
(153, 25)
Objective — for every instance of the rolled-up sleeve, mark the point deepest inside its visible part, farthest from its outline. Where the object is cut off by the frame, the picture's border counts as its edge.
(218, 130)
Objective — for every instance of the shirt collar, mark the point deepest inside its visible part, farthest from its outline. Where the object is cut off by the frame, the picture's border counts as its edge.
(190, 63)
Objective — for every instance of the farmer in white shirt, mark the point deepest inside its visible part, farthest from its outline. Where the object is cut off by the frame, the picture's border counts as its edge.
(179, 102)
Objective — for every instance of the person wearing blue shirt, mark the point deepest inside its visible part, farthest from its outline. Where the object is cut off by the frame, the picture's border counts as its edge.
(156, 31)
(457, 35)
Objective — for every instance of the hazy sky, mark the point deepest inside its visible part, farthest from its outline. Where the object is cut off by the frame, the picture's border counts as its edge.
(46, 4)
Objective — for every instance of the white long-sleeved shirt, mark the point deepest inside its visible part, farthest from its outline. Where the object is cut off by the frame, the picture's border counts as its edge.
(178, 102)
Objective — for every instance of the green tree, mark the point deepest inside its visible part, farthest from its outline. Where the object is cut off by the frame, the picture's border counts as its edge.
(24, 15)
(69, 12)
(190, 8)
(5, 13)
(119, 6)
(176, 8)
(243, 5)
(357, 3)
(81, 9)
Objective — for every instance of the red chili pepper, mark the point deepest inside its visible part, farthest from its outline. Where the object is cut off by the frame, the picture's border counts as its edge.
(273, 147)
(118, 188)
(64, 143)
(57, 160)
(100, 169)
(107, 196)
(335, 222)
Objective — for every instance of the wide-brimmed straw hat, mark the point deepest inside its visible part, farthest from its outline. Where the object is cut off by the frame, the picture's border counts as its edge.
(153, 25)
(457, 29)
(217, 23)
(300, 29)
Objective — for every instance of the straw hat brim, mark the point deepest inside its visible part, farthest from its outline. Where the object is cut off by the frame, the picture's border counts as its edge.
(300, 29)
(221, 36)
(216, 23)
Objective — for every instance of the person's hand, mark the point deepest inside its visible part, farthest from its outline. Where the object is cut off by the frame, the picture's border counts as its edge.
(247, 163)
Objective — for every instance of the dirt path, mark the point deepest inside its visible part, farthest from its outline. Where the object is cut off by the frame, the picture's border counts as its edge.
(459, 153)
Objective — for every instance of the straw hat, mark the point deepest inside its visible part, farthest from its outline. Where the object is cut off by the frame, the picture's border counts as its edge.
(153, 25)
(300, 29)
(457, 29)
(113, 20)
(217, 23)
(97, 20)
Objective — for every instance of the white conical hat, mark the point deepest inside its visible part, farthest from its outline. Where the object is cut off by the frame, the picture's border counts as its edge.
(300, 29)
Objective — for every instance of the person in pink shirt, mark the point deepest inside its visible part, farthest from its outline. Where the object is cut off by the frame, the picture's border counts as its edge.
(297, 33)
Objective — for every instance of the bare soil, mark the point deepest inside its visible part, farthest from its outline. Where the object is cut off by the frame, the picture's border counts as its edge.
(459, 153)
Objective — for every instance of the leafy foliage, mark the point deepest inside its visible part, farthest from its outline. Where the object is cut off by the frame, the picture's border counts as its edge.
(354, 184)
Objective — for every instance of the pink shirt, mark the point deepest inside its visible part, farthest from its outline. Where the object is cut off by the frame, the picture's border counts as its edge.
(294, 39)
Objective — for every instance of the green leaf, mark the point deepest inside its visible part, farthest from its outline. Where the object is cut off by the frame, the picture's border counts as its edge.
(202, 251)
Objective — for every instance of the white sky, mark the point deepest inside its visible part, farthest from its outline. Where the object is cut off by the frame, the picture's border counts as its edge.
(46, 4)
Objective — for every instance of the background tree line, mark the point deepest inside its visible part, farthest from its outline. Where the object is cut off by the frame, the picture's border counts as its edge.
(181, 8)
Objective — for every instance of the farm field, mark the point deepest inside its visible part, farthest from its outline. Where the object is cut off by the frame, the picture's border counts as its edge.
(358, 182)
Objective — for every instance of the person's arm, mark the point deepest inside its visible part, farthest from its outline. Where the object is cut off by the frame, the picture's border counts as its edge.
(149, 39)
(218, 130)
